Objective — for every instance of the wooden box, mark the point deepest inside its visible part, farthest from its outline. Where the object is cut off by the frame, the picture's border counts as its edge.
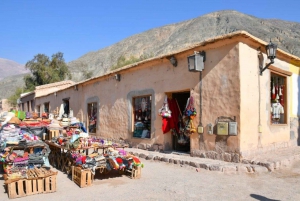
(26, 187)
(82, 177)
(136, 172)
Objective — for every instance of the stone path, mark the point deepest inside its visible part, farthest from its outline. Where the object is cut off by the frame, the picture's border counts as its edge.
(261, 163)
(275, 160)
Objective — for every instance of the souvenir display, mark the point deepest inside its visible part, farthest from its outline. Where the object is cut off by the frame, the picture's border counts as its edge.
(142, 114)
(277, 99)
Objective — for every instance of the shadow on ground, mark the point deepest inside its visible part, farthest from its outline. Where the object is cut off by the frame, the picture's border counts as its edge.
(262, 198)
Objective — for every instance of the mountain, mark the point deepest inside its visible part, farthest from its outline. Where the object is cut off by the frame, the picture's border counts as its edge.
(10, 68)
(9, 84)
(173, 37)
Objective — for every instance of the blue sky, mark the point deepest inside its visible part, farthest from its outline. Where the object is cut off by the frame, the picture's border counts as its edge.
(74, 27)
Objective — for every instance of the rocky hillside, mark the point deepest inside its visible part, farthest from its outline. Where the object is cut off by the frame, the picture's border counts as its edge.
(9, 68)
(172, 37)
(8, 85)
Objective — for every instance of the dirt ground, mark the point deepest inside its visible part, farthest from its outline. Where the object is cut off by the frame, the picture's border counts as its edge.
(161, 181)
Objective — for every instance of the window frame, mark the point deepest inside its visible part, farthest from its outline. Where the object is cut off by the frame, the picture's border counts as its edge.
(133, 115)
(38, 109)
(48, 104)
(285, 98)
(88, 114)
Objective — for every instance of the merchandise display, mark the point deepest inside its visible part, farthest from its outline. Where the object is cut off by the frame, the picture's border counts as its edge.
(26, 156)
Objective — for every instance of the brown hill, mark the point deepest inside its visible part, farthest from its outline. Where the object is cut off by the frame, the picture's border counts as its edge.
(172, 37)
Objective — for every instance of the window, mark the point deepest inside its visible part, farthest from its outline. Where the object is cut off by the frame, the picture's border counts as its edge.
(142, 116)
(38, 109)
(278, 99)
(92, 117)
(46, 107)
(28, 109)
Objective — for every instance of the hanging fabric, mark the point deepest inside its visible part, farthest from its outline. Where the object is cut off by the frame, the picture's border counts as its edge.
(190, 110)
(169, 123)
(273, 91)
(164, 111)
(281, 100)
(61, 111)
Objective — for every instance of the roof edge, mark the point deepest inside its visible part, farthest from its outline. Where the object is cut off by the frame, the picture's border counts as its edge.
(285, 55)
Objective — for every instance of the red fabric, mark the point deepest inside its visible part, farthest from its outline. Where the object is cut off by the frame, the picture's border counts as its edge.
(175, 114)
(273, 93)
(165, 125)
(171, 123)
(83, 159)
(119, 160)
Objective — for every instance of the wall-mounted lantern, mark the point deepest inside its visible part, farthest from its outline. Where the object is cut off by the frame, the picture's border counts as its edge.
(118, 77)
(196, 61)
(76, 87)
(271, 53)
(173, 60)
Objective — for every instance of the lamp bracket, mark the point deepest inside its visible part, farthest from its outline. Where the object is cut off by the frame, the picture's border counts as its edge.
(263, 69)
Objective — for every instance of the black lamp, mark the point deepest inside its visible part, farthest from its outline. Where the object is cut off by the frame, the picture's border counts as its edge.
(196, 61)
(173, 61)
(118, 77)
(271, 53)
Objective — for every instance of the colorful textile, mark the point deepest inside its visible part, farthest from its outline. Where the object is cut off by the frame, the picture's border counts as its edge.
(172, 122)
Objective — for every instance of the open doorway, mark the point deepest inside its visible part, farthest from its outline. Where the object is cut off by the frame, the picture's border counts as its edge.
(66, 104)
(181, 98)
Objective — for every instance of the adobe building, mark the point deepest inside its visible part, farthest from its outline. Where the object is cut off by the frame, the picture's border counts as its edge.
(27, 102)
(238, 110)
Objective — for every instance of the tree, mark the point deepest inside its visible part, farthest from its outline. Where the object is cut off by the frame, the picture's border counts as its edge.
(46, 71)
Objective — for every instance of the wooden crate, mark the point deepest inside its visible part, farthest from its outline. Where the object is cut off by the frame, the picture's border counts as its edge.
(82, 177)
(26, 187)
(136, 172)
(53, 133)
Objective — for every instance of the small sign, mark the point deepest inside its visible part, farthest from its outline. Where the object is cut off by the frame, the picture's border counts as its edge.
(222, 128)
(232, 128)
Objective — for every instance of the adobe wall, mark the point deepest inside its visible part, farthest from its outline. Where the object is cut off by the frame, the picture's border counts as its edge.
(256, 106)
(220, 92)
(220, 98)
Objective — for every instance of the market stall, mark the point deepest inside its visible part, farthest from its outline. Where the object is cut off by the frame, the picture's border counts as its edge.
(24, 158)
(30, 147)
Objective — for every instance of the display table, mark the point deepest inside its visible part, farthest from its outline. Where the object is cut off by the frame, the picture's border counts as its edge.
(60, 157)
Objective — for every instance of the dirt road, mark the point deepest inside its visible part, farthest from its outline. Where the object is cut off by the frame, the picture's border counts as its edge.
(161, 181)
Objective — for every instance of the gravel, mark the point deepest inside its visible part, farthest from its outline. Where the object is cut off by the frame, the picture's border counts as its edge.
(165, 181)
